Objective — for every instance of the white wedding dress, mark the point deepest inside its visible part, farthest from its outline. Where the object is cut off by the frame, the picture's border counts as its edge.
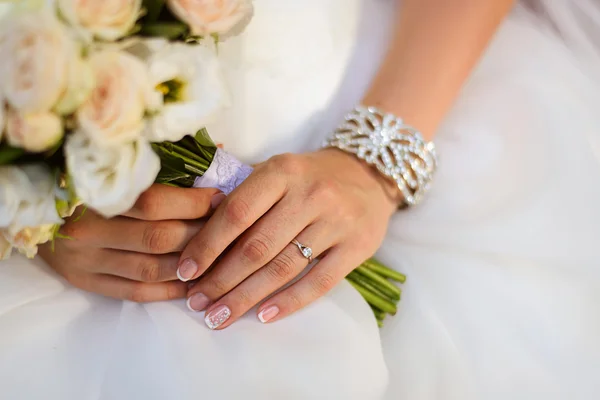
(503, 293)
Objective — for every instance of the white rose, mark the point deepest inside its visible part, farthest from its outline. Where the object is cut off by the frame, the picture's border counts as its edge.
(33, 132)
(106, 19)
(220, 17)
(192, 86)
(27, 197)
(114, 112)
(110, 179)
(41, 65)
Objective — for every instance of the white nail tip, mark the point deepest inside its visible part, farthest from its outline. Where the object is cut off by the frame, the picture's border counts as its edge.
(189, 305)
(261, 316)
(181, 278)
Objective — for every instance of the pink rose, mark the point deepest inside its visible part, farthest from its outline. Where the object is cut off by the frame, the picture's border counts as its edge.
(220, 17)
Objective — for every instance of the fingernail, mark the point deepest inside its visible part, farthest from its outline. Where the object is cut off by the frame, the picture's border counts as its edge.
(187, 269)
(268, 314)
(197, 302)
(217, 317)
(217, 199)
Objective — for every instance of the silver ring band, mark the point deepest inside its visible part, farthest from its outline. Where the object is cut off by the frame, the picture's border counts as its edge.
(304, 250)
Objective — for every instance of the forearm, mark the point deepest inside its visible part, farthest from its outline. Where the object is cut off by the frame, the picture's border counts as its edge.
(435, 47)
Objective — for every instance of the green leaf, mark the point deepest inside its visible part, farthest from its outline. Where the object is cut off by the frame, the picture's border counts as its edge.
(8, 154)
(153, 9)
(173, 169)
(203, 139)
(169, 30)
(168, 174)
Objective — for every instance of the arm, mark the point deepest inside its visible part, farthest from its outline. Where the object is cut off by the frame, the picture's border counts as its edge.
(435, 46)
(330, 200)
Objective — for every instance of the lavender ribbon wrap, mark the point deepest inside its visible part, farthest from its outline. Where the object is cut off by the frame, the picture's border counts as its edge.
(224, 173)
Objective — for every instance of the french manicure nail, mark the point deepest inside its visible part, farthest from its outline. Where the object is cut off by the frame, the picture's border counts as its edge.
(268, 314)
(197, 302)
(217, 199)
(187, 269)
(217, 317)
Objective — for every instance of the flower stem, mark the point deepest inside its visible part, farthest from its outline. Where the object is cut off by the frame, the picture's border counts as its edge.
(191, 158)
(384, 271)
(378, 313)
(375, 300)
(382, 284)
(368, 284)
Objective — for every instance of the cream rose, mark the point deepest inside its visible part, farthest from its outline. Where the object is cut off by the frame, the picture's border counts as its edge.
(26, 240)
(41, 65)
(33, 132)
(114, 112)
(110, 179)
(5, 247)
(193, 89)
(220, 17)
(107, 19)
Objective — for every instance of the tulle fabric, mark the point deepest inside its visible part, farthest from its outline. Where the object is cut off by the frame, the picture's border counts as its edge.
(503, 295)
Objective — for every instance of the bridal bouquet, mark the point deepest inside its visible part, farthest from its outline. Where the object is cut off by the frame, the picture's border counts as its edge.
(100, 99)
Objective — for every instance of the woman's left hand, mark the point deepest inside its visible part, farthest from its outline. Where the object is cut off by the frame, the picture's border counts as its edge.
(327, 200)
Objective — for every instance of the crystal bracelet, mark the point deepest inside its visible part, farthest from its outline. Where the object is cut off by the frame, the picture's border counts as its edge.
(396, 149)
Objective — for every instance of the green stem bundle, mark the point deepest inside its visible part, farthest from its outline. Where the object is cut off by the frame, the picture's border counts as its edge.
(372, 280)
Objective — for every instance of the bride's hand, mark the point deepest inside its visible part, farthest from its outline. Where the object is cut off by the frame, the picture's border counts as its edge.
(327, 200)
(133, 257)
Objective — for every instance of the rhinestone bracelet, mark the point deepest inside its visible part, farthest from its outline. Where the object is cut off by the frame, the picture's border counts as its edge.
(397, 150)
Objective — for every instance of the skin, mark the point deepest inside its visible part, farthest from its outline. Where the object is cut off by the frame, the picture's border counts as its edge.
(327, 200)
(133, 257)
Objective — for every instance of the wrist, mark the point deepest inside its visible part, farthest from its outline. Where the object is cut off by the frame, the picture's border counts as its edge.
(391, 197)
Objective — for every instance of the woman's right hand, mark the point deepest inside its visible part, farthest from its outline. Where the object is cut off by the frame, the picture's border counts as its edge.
(133, 257)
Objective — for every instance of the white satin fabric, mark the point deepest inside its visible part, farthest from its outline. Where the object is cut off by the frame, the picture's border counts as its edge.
(503, 292)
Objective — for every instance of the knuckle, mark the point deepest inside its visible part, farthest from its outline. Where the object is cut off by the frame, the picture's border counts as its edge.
(322, 283)
(174, 292)
(237, 212)
(76, 231)
(326, 190)
(217, 285)
(289, 164)
(137, 294)
(281, 267)
(149, 271)
(148, 204)
(243, 298)
(256, 249)
(294, 299)
(157, 238)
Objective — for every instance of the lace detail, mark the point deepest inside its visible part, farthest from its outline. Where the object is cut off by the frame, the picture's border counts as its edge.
(225, 173)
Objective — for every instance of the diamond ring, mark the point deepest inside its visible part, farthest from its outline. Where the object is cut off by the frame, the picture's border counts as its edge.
(305, 250)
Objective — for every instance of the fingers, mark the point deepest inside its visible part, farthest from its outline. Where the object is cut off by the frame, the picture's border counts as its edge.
(286, 266)
(242, 208)
(156, 237)
(136, 266)
(162, 202)
(317, 282)
(125, 289)
(260, 244)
